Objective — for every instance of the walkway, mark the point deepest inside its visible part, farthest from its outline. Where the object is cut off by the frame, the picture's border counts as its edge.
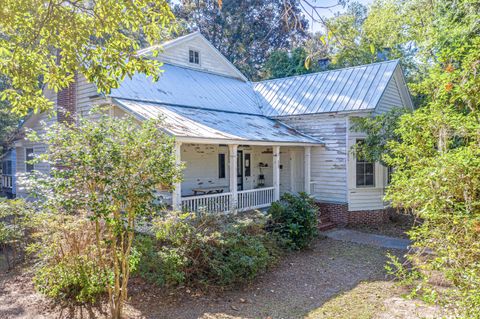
(367, 239)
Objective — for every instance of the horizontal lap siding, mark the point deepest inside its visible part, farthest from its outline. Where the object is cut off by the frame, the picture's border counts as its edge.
(390, 98)
(209, 59)
(328, 164)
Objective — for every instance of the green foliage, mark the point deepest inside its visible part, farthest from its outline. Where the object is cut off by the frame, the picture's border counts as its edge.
(294, 220)
(245, 31)
(206, 249)
(282, 63)
(67, 265)
(95, 38)
(379, 130)
(107, 171)
(435, 152)
(16, 223)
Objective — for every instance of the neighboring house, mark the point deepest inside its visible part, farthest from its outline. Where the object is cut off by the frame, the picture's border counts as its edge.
(244, 143)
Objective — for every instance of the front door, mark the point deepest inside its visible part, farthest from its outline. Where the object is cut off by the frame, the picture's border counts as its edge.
(239, 170)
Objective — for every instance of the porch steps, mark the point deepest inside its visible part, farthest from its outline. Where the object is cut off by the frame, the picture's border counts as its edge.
(324, 223)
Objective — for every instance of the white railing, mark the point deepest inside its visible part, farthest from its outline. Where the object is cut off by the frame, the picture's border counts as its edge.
(255, 198)
(7, 181)
(221, 203)
(212, 203)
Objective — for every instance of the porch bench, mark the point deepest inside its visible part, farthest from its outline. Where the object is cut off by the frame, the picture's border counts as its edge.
(208, 190)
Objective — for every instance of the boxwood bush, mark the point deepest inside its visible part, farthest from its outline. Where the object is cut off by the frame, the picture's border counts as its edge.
(294, 220)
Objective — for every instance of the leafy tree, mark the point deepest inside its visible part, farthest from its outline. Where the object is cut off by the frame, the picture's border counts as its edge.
(8, 121)
(107, 171)
(44, 43)
(246, 32)
(282, 63)
(435, 149)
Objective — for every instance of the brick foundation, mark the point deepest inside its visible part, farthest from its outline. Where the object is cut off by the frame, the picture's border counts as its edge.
(339, 214)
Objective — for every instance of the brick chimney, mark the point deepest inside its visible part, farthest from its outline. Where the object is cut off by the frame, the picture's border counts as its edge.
(67, 103)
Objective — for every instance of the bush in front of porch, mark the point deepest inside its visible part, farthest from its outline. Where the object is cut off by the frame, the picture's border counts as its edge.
(294, 220)
(206, 249)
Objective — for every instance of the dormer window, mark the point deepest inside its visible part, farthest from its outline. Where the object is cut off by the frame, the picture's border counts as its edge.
(194, 57)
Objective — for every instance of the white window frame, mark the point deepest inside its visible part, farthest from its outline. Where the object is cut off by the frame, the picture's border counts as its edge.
(199, 57)
(364, 162)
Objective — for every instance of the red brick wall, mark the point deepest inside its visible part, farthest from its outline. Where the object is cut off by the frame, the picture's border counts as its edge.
(339, 214)
(66, 103)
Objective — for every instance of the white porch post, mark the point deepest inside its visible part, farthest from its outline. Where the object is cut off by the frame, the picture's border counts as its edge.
(276, 173)
(232, 150)
(307, 171)
(177, 192)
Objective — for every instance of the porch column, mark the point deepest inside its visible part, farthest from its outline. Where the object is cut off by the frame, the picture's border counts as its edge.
(177, 192)
(232, 150)
(276, 173)
(307, 168)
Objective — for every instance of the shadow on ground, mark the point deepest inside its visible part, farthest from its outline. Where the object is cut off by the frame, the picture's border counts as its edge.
(301, 283)
(298, 287)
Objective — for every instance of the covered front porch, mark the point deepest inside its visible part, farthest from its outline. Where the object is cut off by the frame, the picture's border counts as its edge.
(233, 161)
(239, 177)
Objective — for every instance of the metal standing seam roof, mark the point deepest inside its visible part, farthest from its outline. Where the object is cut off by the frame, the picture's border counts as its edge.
(188, 87)
(202, 123)
(350, 89)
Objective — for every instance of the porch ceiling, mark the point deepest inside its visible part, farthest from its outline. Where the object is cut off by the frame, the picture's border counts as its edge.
(217, 125)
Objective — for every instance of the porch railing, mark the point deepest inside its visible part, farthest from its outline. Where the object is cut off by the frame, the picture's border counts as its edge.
(223, 202)
(213, 203)
(7, 181)
(255, 198)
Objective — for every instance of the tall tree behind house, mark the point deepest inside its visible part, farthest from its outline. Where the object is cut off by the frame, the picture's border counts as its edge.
(245, 31)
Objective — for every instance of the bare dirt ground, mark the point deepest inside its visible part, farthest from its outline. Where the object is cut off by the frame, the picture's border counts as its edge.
(334, 279)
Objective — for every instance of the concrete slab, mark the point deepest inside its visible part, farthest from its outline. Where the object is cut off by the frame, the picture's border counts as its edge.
(368, 239)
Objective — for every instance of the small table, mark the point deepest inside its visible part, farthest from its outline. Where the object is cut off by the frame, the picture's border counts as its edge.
(207, 190)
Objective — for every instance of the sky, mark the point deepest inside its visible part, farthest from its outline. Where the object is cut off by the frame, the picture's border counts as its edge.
(329, 12)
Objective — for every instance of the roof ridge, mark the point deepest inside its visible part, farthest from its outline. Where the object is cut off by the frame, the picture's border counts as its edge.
(327, 71)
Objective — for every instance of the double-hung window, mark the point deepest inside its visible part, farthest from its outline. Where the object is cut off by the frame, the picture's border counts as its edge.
(194, 57)
(365, 171)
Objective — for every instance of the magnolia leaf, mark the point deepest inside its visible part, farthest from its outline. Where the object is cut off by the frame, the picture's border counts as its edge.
(372, 48)
(308, 62)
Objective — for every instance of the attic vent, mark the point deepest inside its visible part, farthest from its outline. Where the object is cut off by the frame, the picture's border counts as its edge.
(194, 57)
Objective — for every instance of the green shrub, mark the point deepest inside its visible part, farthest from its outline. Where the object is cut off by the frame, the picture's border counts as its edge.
(67, 265)
(294, 220)
(205, 249)
(16, 224)
(77, 278)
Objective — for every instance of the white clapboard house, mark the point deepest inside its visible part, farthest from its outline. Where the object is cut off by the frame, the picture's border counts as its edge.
(245, 143)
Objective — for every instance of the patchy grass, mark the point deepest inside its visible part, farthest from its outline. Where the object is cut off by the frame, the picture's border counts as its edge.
(363, 302)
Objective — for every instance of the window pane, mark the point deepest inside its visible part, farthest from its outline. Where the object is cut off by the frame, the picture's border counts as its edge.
(221, 165)
(369, 180)
(360, 180)
(247, 164)
(368, 168)
(190, 58)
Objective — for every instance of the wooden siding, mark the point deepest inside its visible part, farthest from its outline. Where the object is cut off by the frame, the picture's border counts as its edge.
(210, 60)
(328, 164)
(391, 98)
(363, 198)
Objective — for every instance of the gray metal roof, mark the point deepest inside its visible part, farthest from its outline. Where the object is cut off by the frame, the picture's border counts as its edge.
(201, 123)
(349, 89)
(187, 87)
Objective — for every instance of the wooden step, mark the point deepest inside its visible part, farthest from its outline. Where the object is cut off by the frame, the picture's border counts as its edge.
(326, 226)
